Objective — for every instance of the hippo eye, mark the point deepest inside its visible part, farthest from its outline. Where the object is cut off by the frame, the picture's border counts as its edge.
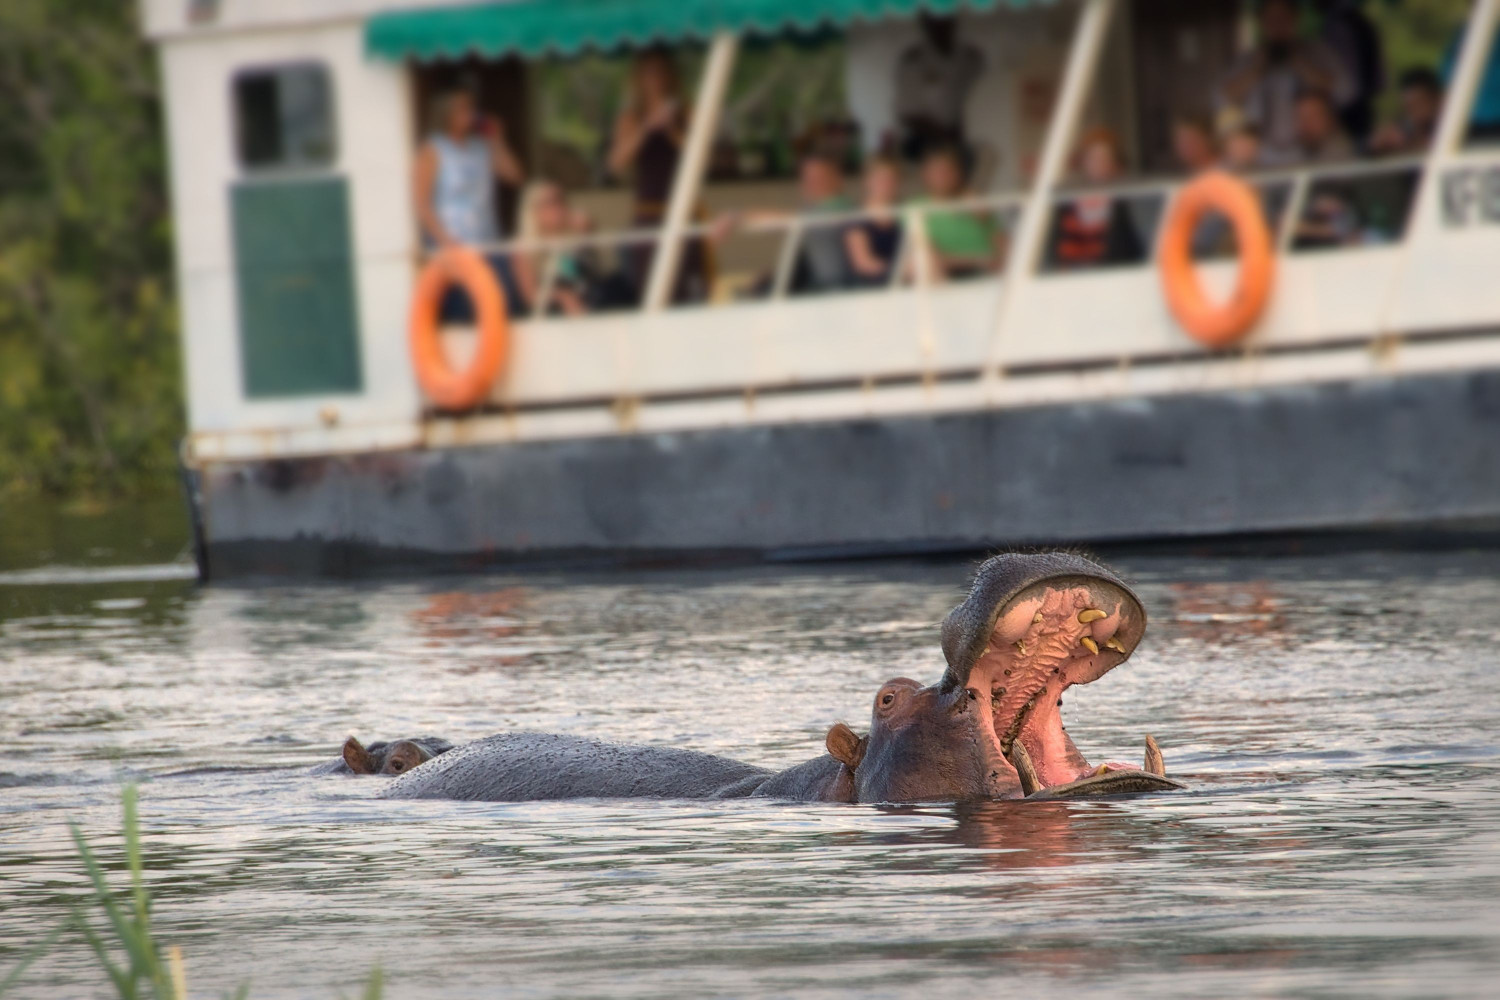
(397, 765)
(887, 698)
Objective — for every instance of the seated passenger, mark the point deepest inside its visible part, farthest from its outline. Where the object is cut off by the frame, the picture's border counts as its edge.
(1319, 136)
(1095, 228)
(873, 244)
(453, 187)
(821, 265)
(1193, 143)
(580, 281)
(962, 242)
(1242, 152)
(1416, 122)
(545, 214)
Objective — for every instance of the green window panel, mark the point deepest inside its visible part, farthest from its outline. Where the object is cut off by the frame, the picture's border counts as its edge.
(295, 281)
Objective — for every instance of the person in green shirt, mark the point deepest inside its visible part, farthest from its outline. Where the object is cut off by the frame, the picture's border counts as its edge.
(963, 242)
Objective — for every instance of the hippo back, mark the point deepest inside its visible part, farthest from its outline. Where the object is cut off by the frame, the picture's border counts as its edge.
(519, 767)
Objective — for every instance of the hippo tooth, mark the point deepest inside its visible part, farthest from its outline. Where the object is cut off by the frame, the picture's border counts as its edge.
(1154, 761)
(1036, 619)
(1089, 644)
(1115, 644)
(1021, 646)
(1021, 761)
(1090, 615)
(1101, 770)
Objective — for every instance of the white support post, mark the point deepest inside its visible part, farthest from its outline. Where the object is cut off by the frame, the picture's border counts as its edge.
(1447, 140)
(1025, 249)
(1458, 102)
(690, 167)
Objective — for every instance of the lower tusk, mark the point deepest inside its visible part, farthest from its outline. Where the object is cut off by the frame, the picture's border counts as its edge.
(1154, 762)
(1090, 615)
(1090, 644)
(1115, 644)
(1021, 761)
(1101, 770)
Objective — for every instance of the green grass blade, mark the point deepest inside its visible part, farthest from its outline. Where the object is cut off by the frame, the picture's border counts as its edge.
(376, 985)
(122, 928)
(12, 977)
(124, 985)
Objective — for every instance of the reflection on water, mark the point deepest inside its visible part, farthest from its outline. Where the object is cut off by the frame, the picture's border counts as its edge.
(1338, 719)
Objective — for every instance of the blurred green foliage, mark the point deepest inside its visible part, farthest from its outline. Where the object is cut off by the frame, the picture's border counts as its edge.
(90, 397)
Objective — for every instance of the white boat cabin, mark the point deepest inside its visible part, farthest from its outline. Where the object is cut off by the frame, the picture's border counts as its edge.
(295, 128)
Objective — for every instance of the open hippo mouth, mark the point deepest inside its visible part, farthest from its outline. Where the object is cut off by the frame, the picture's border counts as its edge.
(1032, 627)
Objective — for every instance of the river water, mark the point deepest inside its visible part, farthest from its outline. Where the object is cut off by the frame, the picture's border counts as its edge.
(1338, 718)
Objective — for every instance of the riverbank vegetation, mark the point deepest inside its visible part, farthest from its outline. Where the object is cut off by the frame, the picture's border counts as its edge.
(90, 391)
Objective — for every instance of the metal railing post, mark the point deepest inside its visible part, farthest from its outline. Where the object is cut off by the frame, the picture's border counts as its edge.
(690, 167)
(1025, 249)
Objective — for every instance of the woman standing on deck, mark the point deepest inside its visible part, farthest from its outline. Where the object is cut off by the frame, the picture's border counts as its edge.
(646, 146)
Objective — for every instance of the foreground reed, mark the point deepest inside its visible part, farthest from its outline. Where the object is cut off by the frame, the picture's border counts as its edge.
(146, 968)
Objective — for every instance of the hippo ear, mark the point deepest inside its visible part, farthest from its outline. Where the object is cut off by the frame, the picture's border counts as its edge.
(845, 745)
(358, 758)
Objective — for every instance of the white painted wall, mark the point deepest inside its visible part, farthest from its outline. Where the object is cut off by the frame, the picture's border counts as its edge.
(373, 130)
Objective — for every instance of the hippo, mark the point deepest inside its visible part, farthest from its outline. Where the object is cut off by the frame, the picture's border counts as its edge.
(1032, 626)
(388, 758)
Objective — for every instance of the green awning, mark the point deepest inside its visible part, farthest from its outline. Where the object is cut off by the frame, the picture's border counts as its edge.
(563, 27)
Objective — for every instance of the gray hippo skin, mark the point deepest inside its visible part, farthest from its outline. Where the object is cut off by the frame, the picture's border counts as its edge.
(991, 728)
(388, 758)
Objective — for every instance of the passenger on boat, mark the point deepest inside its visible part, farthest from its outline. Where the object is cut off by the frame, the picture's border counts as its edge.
(453, 187)
(821, 264)
(933, 81)
(1095, 228)
(1193, 142)
(546, 215)
(1320, 138)
(873, 244)
(1355, 41)
(1265, 82)
(1242, 151)
(1416, 121)
(962, 242)
(646, 146)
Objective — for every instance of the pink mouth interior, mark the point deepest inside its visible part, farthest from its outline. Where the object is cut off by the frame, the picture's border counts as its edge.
(1035, 653)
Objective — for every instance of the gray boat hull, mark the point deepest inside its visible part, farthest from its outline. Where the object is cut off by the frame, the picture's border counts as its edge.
(1401, 453)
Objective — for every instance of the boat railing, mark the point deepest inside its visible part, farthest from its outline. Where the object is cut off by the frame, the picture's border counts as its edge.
(794, 227)
(1285, 194)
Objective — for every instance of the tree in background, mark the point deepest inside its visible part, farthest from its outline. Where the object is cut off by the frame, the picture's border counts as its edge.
(90, 399)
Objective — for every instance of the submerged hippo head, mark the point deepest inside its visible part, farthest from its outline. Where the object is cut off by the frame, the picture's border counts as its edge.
(395, 757)
(1032, 626)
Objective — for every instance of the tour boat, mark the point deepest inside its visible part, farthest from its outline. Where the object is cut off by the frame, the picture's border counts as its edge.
(1288, 387)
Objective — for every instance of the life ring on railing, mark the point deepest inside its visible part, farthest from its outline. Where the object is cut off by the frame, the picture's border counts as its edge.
(1217, 324)
(449, 389)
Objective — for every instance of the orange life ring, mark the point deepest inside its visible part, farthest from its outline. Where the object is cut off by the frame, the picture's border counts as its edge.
(449, 389)
(1217, 324)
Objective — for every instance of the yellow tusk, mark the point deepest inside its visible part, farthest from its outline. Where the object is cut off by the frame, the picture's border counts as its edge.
(1036, 619)
(1090, 615)
(1089, 644)
(1154, 762)
(1102, 769)
(1025, 770)
(1115, 644)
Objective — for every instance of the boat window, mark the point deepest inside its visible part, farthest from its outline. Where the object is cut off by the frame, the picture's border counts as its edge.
(284, 117)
